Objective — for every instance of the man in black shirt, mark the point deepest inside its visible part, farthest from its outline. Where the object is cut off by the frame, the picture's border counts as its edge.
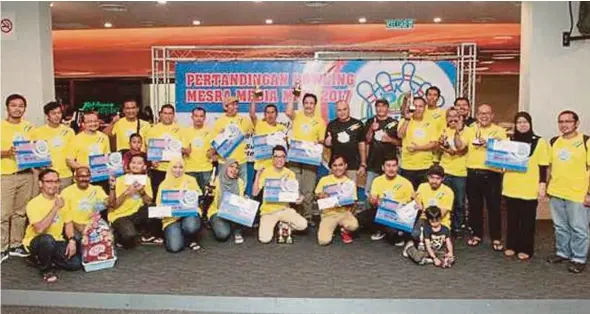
(382, 141)
(345, 136)
(464, 107)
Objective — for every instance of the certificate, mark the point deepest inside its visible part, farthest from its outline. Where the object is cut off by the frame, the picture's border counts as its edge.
(281, 190)
(305, 153)
(238, 209)
(392, 214)
(160, 149)
(104, 165)
(263, 144)
(131, 179)
(182, 203)
(508, 155)
(227, 141)
(343, 194)
(32, 154)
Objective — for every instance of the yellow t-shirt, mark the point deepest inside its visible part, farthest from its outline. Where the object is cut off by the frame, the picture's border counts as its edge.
(419, 132)
(569, 173)
(187, 183)
(443, 197)
(438, 117)
(330, 180)
(214, 208)
(399, 189)
(245, 125)
(476, 155)
(85, 145)
(36, 210)
(309, 129)
(162, 131)
(58, 139)
(200, 141)
(123, 130)
(132, 203)
(525, 185)
(80, 203)
(263, 128)
(272, 173)
(455, 165)
(10, 133)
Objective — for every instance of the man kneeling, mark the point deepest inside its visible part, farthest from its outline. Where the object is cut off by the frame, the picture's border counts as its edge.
(273, 212)
(47, 220)
(437, 242)
(341, 215)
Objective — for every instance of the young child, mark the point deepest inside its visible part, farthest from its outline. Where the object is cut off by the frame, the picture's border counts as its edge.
(437, 242)
(135, 143)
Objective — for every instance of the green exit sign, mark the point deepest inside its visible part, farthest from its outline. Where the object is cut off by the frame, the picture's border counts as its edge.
(399, 24)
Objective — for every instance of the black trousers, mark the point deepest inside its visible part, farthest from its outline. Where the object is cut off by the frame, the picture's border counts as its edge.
(127, 229)
(47, 254)
(521, 216)
(485, 186)
(156, 176)
(416, 177)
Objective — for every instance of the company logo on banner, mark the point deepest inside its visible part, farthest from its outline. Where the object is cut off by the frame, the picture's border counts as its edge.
(360, 83)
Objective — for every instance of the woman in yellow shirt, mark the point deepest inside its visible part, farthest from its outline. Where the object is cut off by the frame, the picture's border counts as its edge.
(178, 230)
(521, 189)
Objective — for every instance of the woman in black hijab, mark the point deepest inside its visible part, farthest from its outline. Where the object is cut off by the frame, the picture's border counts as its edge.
(522, 189)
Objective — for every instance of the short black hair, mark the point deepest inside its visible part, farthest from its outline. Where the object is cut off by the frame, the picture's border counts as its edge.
(50, 106)
(15, 96)
(382, 101)
(169, 106)
(279, 148)
(199, 109)
(462, 98)
(575, 115)
(390, 158)
(433, 213)
(334, 157)
(271, 106)
(130, 100)
(433, 88)
(135, 135)
(45, 172)
(315, 98)
(436, 170)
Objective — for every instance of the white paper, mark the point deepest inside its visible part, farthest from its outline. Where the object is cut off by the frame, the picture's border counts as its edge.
(132, 178)
(276, 139)
(159, 211)
(406, 211)
(246, 204)
(288, 197)
(328, 202)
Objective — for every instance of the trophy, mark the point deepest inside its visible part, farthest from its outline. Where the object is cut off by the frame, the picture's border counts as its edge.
(297, 89)
(284, 235)
(445, 142)
(477, 140)
(410, 102)
(258, 91)
(421, 244)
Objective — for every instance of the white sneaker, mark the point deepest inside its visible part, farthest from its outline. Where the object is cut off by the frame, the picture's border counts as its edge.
(379, 235)
(238, 238)
(408, 245)
(400, 243)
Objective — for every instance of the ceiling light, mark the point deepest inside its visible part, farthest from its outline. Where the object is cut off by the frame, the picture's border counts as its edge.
(108, 25)
(502, 57)
(51, 4)
(111, 7)
(161, 2)
(268, 21)
(486, 62)
(503, 37)
(362, 20)
(316, 4)
(196, 22)
(482, 69)
(437, 20)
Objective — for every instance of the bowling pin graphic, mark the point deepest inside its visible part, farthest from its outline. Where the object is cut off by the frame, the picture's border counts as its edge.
(383, 80)
(367, 92)
(407, 82)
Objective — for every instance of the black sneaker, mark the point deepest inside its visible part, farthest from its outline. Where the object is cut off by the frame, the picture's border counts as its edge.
(576, 268)
(555, 259)
(4, 256)
(18, 251)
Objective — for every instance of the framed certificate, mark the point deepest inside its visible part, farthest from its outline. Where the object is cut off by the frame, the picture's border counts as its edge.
(343, 194)
(227, 141)
(182, 203)
(305, 153)
(262, 145)
(104, 165)
(32, 154)
(238, 209)
(508, 155)
(392, 214)
(160, 149)
(281, 190)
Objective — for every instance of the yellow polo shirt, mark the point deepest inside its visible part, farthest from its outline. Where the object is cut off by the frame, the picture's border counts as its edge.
(476, 155)
(272, 173)
(187, 183)
(85, 145)
(200, 142)
(58, 139)
(438, 117)
(132, 203)
(399, 189)
(525, 185)
(37, 209)
(10, 133)
(80, 203)
(421, 133)
(263, 128)
(244, 124)
(443, 197)
(124, 128)
(309, 129)
(455, 165)
(162, 131)
(569, 173)
(330, 180)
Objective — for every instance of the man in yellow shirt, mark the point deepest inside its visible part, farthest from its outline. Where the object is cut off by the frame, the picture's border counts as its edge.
(272, 213)
(16, 185)
(483, 182)
(130, 124)
(57, 136)
(433, 111)
(338, 216)
(266, 126)
(231, 117)
(87, 143)
(419, 139)
(49, 220)
(308, 127)
(435, 193)
(569, 192)
(392, 186)
(165, 129)
(82, 199)
(454, 162)
(199, 150)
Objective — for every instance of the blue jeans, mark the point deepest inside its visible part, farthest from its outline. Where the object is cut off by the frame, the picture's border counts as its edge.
(570, 221)
(458, 185)
(370, 177)
(222, 228)
(176, 233)
(203, 178)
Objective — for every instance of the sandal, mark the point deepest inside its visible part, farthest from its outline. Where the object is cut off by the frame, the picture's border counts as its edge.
(509, 253)
(473, 241)
(194, 246)
(49, 277)
(497, 246)
(523, 257)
